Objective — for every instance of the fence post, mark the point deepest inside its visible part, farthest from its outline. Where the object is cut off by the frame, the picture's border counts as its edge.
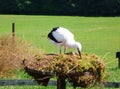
(118, 56)
(13, 32)
(61, 84)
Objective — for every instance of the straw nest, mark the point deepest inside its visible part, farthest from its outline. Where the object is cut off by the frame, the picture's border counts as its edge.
(80, 72)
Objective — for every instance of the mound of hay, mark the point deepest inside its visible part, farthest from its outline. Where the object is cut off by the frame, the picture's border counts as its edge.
(81, 72)
(12, 53)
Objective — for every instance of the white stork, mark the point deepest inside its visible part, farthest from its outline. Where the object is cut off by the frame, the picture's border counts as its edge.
(63, 37)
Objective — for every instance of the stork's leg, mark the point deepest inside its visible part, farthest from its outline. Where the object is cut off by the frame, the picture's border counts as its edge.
(60, 51)
(60, 47)
(64, 50)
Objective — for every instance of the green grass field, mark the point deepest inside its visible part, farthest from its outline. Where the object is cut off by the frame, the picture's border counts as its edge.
(98, 35)
(42, 87)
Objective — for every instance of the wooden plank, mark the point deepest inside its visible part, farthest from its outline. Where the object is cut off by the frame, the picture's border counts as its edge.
(18, 82)
(24, 82)
(112, 84)
(118, 56)
(61, 84)
(13, 27)
(13, 32)
(51, 83)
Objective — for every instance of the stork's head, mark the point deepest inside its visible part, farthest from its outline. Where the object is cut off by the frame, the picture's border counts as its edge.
(79, 48)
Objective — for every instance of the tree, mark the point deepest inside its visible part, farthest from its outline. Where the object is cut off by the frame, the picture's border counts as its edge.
(61, 7)
(8, 6)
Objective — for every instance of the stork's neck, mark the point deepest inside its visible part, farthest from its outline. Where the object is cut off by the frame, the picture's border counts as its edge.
(71, 44)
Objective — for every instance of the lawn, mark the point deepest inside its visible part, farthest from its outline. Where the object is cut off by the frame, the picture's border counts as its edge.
(98, 35)
(42, 87)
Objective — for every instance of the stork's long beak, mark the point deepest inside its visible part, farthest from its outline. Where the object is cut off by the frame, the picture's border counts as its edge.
(79, 53)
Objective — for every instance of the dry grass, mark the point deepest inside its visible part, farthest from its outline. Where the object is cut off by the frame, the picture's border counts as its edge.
(12, 53)
(81, 72)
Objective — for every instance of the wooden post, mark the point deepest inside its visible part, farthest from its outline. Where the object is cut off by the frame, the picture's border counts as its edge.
(13, 31)
(118, 56)
(61, 84)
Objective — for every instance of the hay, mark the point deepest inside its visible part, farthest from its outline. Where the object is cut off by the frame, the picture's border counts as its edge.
(81, 72)
(12, 53)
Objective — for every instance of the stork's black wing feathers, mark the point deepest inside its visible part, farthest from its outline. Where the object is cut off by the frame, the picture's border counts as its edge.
(50, 35)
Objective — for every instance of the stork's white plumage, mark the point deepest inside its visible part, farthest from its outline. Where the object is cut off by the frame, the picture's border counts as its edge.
(63, 37)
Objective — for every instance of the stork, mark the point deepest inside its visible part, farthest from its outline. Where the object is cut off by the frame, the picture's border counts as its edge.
(63, 37)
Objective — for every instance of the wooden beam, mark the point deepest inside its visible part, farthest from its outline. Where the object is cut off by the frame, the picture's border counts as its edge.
(13, 29)
(23, 82)
(112, 84)
(118, 56)
(13, 32)
(61, 84)
(51, 83)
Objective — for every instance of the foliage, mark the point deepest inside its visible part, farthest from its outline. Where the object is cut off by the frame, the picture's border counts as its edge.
(81, 72)
(61, 7)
